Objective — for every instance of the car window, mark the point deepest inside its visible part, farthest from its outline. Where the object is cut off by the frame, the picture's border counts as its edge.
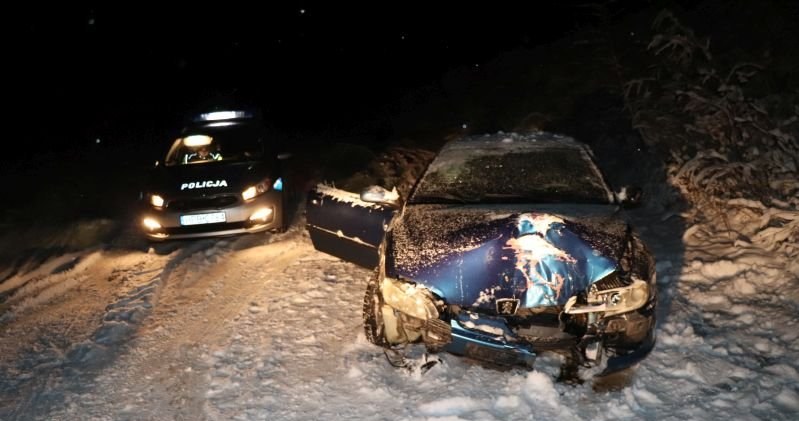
(206, 145)
(497, 175)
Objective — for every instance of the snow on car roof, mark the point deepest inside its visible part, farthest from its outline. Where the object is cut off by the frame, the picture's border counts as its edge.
(501, 143)
(514, 141)
(535, 165)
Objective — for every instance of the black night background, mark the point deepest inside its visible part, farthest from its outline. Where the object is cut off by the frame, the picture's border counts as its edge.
(696, 102)
(105, 84)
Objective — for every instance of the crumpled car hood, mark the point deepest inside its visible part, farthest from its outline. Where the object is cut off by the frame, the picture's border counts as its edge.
(472, 256)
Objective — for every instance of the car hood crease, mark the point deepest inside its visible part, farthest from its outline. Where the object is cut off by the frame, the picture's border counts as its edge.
(472, 255)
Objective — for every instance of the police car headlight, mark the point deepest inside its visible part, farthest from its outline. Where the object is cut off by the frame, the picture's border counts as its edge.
(156, 201)
(256, 190)
(151, 224)
(261, 215)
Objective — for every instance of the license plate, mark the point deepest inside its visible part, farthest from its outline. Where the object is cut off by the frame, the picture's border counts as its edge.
(202, 218)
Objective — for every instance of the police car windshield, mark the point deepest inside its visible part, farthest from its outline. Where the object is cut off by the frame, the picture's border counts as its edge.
(239, 143)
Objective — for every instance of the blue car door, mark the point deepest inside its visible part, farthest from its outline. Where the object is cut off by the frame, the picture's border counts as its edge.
(342, 225)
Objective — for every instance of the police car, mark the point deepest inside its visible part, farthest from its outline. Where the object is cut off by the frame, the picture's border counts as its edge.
(221, 176)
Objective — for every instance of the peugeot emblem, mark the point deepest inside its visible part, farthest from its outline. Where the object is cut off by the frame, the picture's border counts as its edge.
(507, 306)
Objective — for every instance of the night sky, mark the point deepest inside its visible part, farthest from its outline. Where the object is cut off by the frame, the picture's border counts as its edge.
(310, 66)
(322, 42)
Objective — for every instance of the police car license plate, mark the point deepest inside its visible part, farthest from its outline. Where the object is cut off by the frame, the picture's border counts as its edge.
(202, 218)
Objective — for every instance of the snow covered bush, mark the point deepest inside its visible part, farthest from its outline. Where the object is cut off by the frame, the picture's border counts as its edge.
(732, 154)
(397, 166)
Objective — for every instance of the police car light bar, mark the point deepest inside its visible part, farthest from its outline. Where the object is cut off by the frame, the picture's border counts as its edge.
(222, 115)
(221, 124)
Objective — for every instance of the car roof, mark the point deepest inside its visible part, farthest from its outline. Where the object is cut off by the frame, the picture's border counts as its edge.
(504, 143)
(458, 151)
(515, 141)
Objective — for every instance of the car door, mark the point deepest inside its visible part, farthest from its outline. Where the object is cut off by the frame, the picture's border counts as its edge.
(343, 225)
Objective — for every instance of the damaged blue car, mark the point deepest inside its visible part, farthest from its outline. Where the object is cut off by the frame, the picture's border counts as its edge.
(508, 246)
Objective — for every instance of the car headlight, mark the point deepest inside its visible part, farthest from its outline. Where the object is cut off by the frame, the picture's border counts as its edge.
(151, 224)
(411, 299)
(616, 300)
(410, 313)
(156, 201)
(256, 190)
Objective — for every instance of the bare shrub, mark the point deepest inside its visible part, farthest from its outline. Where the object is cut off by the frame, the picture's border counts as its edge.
(731, 155)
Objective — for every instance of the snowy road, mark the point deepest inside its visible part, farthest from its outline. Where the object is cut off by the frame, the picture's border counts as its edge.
(265, 327)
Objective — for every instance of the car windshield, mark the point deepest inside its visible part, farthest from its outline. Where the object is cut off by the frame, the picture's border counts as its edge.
(211, 144)
(522, 175)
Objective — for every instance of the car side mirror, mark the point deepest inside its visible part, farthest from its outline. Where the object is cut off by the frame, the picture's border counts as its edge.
(284, 156)
(629, 196)
(379, 195)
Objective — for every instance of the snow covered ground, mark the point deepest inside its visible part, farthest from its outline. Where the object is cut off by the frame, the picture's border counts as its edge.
(265, 327)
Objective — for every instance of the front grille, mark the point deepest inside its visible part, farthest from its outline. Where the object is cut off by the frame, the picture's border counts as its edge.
(196, 229)
(610, 282)
(214, 202)
(549, 343)
(546, 331)
(544, 313)
(549, 318)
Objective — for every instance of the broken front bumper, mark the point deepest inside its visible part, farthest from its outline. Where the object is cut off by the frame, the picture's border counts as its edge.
(626, 338)
(412, 313)
(488, 348)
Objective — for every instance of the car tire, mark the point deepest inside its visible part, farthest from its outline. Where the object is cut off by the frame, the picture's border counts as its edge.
(373, 314)
(284, 226)
(289, 205)
(284, 215)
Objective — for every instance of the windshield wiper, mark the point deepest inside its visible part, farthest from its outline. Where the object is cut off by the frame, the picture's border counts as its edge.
(443, 198)
(501, 196)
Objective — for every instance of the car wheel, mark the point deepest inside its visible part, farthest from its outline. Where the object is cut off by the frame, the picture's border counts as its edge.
(289, 206)
(373, 314)
(284, 226)
(284, 214)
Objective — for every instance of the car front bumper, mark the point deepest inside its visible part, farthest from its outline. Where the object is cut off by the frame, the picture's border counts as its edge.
(237, 220)
(502, 346)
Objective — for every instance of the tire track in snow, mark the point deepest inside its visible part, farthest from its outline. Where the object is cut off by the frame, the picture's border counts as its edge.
(124, 316)
(45, 283)
(164, 368)
(296, 338)
(42, 385)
